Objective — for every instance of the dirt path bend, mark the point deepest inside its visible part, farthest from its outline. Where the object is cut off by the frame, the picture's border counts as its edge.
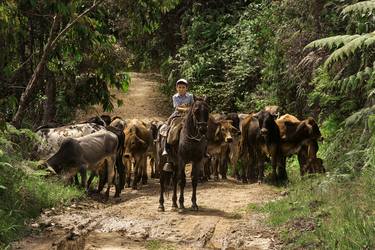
(143, 101)
(224, 220)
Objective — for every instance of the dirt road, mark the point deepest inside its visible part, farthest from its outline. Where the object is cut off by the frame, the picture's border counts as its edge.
(133, 222)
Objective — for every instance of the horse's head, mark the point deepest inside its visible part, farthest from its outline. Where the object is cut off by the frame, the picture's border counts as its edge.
(200, 112)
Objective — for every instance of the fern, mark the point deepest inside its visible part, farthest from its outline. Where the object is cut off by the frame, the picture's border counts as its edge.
(354, 81)
(359, 8)
(331, 42)
(350, 48)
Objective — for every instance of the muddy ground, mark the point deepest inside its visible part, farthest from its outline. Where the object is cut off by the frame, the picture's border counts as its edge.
(133, 222)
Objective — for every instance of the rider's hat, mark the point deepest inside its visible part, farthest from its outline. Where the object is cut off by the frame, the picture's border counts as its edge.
(182, 81)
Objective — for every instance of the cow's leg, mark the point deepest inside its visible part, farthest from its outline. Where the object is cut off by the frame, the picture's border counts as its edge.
(115, 173)
(282, 175)
(274, 161)
(92, 175)
(302, 160)
(82, 172)
(76, 180)
(128, 170)
(137, 171)
(260, 159)
(152, 165)
(215, 165)
(195, 171)
(224, 162)
(182, 181)
(103, 175)
(144, 170)
(111, 176)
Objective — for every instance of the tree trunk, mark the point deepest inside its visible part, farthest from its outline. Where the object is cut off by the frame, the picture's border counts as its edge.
(32, 84)
(51, 43)
(50, 104)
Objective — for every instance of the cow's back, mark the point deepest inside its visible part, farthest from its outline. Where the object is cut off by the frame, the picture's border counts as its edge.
(98, 146)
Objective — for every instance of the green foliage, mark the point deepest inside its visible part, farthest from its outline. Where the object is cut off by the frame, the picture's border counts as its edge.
(84, 63)
(317, 215)
(222, 55)
(24, 191)
(360, 8)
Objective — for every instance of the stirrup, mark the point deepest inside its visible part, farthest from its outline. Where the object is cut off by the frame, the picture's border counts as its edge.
(168, 167)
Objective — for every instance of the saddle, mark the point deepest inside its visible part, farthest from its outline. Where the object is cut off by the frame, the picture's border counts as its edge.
(174, 130)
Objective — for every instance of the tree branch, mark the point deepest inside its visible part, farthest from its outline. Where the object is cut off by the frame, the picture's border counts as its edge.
(96, 3)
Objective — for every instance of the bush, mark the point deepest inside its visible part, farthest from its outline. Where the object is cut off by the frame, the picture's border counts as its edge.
(24, 191)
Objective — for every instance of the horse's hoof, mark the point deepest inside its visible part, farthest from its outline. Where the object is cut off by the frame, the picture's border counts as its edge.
(134, 187)
(174, 208)
(181, 210)
(161, 209)
(194, 208)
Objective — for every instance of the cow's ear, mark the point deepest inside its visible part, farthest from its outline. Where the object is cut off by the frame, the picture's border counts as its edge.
(217, 131)
(205, 98)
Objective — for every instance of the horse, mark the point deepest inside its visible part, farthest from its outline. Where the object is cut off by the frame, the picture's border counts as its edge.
(191, 147)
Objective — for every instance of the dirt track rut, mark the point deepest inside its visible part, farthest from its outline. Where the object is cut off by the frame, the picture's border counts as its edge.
(133, 222)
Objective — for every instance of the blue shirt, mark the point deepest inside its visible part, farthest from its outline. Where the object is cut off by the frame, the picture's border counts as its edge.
(179, 100)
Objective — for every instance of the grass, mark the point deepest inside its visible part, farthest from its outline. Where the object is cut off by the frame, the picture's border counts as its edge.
(158, 245)
(24, 190)
(325, 212)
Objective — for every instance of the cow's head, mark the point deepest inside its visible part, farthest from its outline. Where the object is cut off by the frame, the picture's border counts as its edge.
(308, 129)
(132, 141)
(226, 131)
(266, 121)
(314, 165)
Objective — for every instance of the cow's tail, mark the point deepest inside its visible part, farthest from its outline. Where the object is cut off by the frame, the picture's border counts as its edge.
(120, 167)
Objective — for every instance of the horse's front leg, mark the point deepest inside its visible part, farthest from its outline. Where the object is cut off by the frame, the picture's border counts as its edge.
(162, 187)
(182, 178)
(195, 174)
(174, 197)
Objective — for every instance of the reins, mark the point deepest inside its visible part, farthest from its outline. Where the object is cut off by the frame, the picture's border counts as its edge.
(198, 137)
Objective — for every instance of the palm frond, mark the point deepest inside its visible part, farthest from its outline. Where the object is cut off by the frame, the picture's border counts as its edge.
(331, 42)
(352, 82)
(350, 48)
(359, 8)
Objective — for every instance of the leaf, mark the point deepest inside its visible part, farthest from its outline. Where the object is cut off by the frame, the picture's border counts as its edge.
(365, 7)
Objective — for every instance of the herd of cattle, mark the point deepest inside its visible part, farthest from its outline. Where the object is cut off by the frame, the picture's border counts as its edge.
(113, 148)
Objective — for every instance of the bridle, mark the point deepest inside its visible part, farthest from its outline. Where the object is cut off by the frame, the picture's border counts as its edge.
(197, 125)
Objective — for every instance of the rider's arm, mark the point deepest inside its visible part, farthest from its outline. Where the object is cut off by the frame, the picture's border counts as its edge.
(182, 108)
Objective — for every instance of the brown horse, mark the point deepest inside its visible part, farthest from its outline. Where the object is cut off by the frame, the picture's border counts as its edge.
(191, 147)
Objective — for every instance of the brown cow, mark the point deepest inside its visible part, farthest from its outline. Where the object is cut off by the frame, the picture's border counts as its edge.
(137, 142)
(260, 139)
(300, 137)
(220, 134)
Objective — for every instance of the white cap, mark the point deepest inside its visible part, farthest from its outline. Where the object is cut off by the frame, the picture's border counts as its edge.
(183, 81)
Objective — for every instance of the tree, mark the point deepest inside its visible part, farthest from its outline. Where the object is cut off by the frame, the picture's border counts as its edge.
(352, 51)
(51, 43)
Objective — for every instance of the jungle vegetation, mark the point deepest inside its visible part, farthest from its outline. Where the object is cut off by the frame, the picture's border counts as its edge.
(310, 57)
